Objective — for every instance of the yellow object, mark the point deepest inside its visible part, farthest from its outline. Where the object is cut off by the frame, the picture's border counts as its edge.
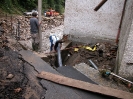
(94, 48)
(76, 49)
(89, 48)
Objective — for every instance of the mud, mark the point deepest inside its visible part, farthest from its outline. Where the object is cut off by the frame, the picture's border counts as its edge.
(20, 85)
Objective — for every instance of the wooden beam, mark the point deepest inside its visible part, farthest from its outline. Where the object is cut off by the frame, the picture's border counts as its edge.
(85, 85)
(100, 5)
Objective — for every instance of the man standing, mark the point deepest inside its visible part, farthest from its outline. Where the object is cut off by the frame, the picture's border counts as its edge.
(34, 29)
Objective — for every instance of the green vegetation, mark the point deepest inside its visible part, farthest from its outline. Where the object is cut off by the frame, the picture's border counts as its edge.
(19, 6)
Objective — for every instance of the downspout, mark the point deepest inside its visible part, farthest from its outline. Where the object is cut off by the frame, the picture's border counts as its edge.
(119, 29)
(59, 55)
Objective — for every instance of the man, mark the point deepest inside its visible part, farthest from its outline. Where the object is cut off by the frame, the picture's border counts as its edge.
(34, 29)
(54, 40)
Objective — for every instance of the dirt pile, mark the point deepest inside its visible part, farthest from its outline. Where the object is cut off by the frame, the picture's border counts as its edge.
(17, 76)
(102, 54)
(12, 76)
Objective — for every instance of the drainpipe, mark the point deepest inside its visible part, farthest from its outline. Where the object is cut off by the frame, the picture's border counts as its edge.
(59, 55)
(93, 64)
(119, 30)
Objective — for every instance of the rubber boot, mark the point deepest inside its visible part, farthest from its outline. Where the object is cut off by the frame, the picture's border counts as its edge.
(33, 47)
(36, 47)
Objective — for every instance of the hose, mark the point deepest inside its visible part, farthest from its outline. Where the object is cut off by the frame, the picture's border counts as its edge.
(59, 55)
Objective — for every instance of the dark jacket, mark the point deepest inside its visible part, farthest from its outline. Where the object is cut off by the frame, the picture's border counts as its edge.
(34, 25)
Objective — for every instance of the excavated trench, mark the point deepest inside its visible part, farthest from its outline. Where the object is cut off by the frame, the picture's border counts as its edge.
(104, 56)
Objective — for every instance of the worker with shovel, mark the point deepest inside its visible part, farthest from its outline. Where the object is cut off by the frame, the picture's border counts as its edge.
(56, 43)
(54, 40)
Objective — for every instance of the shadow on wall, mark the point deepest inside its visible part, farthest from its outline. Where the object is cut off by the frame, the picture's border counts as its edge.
(90, 39)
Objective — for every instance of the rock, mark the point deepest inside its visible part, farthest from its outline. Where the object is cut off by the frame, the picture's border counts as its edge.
(1, 53)
(10, 76)
(17, 90)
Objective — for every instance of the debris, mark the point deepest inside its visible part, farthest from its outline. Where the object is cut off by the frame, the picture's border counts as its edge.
(91, 49)
(1, 53)
(17, 90)
(108, 72)
(10, 76)
(76, 49)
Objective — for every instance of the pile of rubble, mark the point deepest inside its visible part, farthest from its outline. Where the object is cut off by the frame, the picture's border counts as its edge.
(102, 54)
(19, 26)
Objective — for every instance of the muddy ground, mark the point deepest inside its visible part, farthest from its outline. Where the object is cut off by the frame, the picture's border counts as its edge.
(103, 56)
(17, 77)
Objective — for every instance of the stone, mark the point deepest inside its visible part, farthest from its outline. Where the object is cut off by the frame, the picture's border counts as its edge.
(10, 76)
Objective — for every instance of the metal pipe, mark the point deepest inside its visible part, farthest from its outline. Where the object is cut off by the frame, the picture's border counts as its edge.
(119, 30)
(40, 19)
(93, 64)
(59, 55)
(121, 78)
(99, 5)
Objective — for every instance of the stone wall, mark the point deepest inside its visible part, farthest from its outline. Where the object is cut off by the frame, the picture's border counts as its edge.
(84, 24)
(125, 60)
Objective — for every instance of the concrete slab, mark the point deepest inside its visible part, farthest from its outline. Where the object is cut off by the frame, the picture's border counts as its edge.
(54, 91)
(36, 61)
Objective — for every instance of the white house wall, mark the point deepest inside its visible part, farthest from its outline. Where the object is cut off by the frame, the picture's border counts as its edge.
(82, 22)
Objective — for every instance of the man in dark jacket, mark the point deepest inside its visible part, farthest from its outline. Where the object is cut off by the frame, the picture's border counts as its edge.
(34, 29)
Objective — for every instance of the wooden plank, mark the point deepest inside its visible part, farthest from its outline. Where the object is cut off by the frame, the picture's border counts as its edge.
(85, 85)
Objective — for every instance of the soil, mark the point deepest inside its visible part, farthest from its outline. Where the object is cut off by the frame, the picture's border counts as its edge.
(16, 80)
(103, 57)
(11, 64)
